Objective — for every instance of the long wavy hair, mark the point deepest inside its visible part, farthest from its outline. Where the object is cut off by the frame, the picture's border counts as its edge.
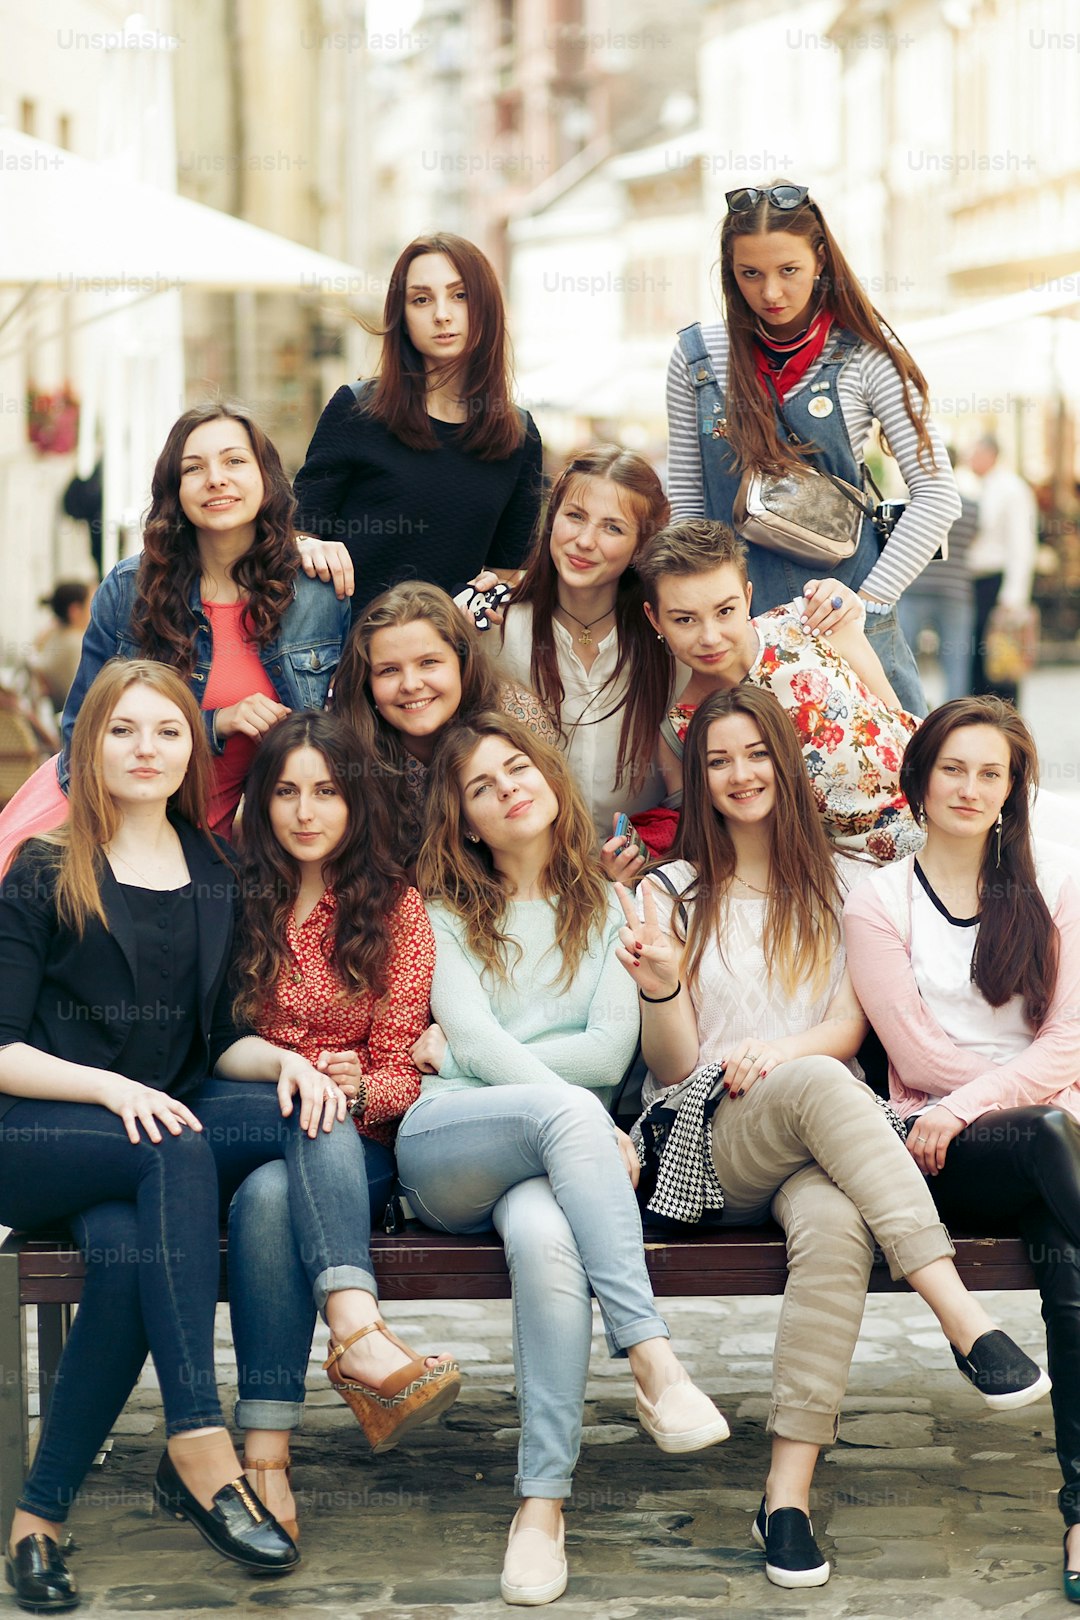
(648, 684)
(411, 602)
(462, 875)
(93, 816)
(801, 931)
(162, 621)
(751, 423)
(494, 427)
(366, 880)
(1017, 951)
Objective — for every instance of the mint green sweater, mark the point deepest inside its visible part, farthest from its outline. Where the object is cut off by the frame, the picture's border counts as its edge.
(527, 1030)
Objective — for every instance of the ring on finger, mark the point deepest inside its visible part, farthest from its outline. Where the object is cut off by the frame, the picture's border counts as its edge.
(837, 602)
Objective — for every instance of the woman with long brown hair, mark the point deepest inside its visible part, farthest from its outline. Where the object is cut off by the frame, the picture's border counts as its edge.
(535, 1024)
(792, 379)
(575, 631)
(334, 961)
(966, 957)
(412, 666)
(744, 992)
(429, 471)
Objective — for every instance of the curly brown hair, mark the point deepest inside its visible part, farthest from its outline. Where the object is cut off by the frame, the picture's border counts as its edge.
(366, 880)
(463, 877)
(161, 617)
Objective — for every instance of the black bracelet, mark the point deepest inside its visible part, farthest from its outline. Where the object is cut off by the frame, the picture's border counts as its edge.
(656, 1001)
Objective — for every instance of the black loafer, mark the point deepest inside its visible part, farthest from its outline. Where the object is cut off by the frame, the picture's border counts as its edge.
(237, 1526)
(1004, 1375)
(42, 1581)
(792, 1556)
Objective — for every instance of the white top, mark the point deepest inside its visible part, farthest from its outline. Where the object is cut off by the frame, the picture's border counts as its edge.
(1005, 540)
(734, 996)
(869, 388)
(942, 947)
(590, 727)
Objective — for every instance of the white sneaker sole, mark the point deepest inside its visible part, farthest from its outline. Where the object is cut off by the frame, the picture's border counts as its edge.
(1020, 1397)
(533, 1596)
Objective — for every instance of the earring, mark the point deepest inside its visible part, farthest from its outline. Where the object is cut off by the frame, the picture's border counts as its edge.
(472, 838)
(660, 639)
(998, 835)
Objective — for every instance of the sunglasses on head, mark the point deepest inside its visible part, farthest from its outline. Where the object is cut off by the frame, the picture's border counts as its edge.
(747, 197)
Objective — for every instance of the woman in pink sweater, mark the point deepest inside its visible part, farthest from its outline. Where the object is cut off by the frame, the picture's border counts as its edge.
(966, 958)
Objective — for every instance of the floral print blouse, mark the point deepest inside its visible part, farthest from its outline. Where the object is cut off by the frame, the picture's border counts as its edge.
(852, 742)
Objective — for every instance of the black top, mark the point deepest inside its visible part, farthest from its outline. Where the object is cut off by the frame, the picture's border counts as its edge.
(74, 995)
(438, 515)
(163, 1021)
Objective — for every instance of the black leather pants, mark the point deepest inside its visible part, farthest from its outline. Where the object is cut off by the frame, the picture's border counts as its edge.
(1019, 1171)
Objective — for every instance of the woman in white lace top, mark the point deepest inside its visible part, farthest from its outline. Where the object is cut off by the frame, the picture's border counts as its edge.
(739, 963)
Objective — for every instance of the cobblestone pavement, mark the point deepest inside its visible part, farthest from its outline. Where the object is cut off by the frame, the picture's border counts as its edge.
(928, 1504)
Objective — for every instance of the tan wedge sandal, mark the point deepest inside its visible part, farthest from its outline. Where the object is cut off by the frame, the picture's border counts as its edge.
(261, 1467)
(403, 1400)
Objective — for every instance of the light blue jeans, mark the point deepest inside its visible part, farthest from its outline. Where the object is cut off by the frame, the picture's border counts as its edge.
(541, 1165)
(276, 1284)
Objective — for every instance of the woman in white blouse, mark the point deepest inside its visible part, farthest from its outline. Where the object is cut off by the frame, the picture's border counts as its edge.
(740, 968)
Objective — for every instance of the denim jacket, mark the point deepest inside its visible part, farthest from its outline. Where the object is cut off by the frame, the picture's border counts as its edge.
(299, 661)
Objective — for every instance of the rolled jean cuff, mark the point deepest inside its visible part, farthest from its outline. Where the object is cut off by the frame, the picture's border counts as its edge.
(1068, 1503)
(918, 1250)
(335, 1278)
(802, 1423)
(646, 1327)
(268, 1414)
(552, 1490)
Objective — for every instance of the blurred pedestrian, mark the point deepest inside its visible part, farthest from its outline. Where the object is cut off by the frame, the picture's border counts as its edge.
(791, 381)
(57, 653)
(1002, 555)
(942, 599)
(429, 471)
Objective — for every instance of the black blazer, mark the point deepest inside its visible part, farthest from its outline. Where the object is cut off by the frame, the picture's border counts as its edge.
(67, 995)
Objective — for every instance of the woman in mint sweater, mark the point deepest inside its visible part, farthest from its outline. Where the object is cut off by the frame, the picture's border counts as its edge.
(535, 1024)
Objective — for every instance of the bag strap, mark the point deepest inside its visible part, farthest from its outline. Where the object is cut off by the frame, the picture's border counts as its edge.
(658, 872)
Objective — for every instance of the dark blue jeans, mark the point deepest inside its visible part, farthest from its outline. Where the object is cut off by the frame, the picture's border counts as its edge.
(146, 1217)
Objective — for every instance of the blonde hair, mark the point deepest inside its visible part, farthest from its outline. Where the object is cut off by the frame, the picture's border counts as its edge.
(463, 877)
(94, 819)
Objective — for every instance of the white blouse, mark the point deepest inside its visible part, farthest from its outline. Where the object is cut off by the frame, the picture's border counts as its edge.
(592, 716)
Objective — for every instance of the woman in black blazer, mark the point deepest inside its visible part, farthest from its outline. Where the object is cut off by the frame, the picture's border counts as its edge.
(115, 943)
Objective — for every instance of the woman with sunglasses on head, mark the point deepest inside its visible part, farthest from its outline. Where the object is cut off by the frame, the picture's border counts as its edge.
(800, 338)
(739, 962)
(966, 957)
(535, 1024)
(430, 471)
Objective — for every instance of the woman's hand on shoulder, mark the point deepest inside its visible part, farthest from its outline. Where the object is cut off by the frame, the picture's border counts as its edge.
(428, 1052)
(645, 949)
(822, 616)
(138, 1105)
(253, 717)
(749, 1061)
(327, 560)
(931, 1133)
(322, 1101)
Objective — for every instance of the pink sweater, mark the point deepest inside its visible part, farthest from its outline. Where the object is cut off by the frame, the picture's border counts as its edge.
(924, 1063)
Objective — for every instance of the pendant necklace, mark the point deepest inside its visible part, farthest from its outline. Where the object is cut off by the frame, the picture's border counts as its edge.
(585, 639)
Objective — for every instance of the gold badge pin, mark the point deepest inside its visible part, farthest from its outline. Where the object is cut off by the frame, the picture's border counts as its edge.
(820, 406)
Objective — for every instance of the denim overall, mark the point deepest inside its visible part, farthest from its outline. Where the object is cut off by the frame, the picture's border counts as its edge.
(777, 579)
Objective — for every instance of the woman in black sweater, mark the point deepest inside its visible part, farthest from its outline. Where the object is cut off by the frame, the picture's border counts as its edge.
(429, 471)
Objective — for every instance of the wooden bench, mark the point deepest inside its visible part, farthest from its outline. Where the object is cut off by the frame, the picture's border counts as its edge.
(417, 1264)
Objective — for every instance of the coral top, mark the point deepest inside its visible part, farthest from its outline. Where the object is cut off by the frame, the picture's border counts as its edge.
(310, 1013)
(235, 673)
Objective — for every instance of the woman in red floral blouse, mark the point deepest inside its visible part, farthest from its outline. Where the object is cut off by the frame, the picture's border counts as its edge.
(335, 962)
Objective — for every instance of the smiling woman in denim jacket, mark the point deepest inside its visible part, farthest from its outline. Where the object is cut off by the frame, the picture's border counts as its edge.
(799, 334)
(219, 594)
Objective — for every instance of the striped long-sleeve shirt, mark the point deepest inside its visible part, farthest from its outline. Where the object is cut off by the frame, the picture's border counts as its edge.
(870, 388)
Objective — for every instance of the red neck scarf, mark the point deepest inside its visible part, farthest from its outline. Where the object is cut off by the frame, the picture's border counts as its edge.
(805, 350)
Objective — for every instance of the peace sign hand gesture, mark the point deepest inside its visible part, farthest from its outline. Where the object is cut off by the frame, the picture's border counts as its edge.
(645, 949)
